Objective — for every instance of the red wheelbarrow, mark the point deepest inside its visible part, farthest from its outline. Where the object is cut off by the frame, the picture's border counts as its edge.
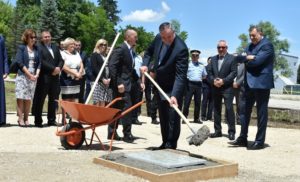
(72, 134)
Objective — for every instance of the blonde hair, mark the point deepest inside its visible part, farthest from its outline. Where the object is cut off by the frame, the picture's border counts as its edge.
(100, 41)
(67, 42)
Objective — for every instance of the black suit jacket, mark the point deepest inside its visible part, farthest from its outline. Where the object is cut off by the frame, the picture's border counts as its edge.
(121, 68)
(227, 72)
(171, 73)
(48, 63)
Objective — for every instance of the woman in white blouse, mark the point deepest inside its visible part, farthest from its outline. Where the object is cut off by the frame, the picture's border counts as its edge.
(72, 72)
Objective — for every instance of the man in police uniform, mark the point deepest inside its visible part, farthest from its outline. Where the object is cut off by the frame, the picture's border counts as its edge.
(196, 72)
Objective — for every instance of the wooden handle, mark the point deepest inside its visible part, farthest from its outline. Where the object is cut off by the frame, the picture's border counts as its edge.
(168, 99)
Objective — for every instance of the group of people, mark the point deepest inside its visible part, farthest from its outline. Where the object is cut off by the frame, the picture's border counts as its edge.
(47, 70)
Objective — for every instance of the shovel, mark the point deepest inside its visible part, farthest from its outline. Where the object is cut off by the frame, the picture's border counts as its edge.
(198, 137)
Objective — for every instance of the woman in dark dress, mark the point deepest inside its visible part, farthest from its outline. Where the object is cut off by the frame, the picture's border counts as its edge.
(102, 93)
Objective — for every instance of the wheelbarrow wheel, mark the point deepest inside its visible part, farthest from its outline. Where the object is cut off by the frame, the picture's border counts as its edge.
(73, 141)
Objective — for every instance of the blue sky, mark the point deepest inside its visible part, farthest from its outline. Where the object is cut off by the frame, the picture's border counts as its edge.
(208, 21)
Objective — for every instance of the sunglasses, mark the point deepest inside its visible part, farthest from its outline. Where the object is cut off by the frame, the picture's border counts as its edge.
(102, 45)
(33, 37)
(195, 55)
(221, 47)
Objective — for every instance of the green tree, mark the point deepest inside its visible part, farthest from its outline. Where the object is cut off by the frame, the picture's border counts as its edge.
(6, 17)
(280, 46)
(69, 11)
(49, 19)
(144, 37)
(111, 9)
(177, 27)
(94, 26)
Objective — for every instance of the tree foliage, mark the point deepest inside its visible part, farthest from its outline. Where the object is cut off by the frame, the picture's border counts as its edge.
(144, 38)
(94, 26)
(111, 9)
(280, 46)
(6, 17)
(49, 19)
(177, 27)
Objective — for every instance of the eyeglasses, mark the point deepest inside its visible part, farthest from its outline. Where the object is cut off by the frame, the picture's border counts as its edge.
(102, 45)
(221, 47)
(33, 37)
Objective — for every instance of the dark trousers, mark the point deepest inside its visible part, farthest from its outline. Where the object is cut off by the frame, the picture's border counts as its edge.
(148, 97)
(169, 123)
(127, 119)
(154, 104)
(228, 99)
(136, 96)
(50, 88)
(87, 89)
(207, 103)
(82, 88)
(261, 97)
(239, 95)
(194, 89)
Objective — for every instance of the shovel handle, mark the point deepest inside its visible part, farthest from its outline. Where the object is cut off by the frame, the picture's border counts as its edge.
(168, 99)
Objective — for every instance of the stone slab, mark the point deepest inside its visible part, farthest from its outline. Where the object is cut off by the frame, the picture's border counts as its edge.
(165, 158)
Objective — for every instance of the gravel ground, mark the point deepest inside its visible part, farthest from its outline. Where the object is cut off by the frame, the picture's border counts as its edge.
(35, 154)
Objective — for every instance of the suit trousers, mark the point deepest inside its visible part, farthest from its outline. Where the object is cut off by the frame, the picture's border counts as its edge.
(136, 96)
(207, 103)
(43, 88)
(194, 89)
(125, 120)
(169, 123)
(261, 97)
(228, 99)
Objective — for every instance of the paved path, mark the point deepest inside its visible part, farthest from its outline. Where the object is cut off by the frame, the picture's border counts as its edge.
(35, 154)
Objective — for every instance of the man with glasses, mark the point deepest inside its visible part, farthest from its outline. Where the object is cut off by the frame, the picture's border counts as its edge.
(221, 73)
(259, 59)
(196, 72)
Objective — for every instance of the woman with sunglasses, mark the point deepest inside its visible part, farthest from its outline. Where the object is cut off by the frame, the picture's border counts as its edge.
(29, 68)
(102, 93)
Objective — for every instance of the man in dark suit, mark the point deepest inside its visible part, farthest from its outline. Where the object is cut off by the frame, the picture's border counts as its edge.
(123, 76)
(48, 81)
(259, 80)
(239, 90)
(207, 102)
(170, 54)
(221, 73)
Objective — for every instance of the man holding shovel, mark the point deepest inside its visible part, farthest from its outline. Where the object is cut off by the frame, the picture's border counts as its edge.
(171, 64)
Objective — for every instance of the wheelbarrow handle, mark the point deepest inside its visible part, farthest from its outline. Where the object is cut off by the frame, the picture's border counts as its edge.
(168, 99)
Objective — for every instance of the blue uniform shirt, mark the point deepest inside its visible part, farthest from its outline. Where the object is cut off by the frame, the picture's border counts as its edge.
(196, 71)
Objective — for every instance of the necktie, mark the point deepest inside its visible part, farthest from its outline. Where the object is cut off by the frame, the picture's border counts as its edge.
(220, 62)
(162, 53)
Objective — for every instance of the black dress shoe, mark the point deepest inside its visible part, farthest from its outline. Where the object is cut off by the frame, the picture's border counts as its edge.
(129, 138)
(39, 125)
(215, 135)
(239, 142)
(231, 136)
(137, 122)
(52, 124)
(116, 137)
(161, 147)
(154, 121)
(198, 121)
(256, 146)
(203, 119)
